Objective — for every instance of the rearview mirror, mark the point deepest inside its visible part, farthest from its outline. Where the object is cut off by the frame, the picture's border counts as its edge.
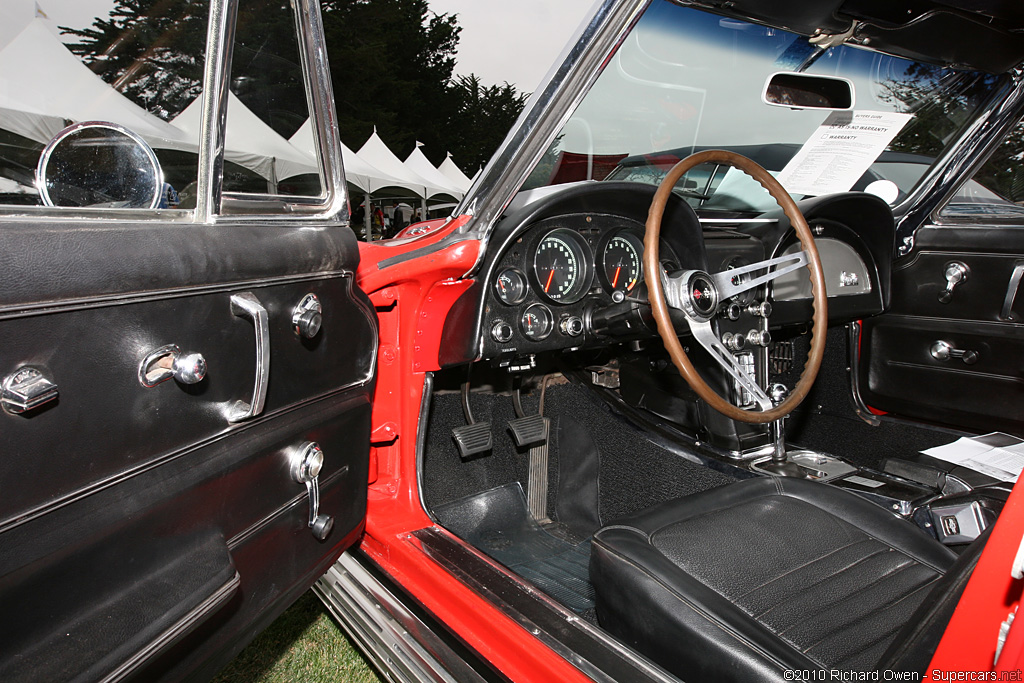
(807, 91)
(98, 164)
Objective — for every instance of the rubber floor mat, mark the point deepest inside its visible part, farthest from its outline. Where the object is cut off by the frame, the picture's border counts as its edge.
(497, 522)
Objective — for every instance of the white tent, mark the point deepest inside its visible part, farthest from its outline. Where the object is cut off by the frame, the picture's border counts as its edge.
(50, 81)
(420, 165)
(378, 155)
(250, 142)
(357, 171)
(454, 174)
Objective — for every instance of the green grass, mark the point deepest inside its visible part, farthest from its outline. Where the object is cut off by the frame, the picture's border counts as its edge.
(303, 645)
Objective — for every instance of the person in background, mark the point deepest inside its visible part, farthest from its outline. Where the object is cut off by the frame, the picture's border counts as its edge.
(397, 220)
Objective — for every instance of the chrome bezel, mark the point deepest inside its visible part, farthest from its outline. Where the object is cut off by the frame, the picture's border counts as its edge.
(585, 258)
(635, 241)
(44, 160)
(545, 313)
(514, 301)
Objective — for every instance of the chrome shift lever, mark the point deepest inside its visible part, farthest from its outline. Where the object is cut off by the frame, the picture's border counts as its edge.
(777, 393)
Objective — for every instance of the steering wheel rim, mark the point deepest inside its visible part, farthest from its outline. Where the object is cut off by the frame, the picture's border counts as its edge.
(660, 308)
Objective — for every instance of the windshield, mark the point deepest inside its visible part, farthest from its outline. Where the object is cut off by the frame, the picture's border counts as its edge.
(685, 80)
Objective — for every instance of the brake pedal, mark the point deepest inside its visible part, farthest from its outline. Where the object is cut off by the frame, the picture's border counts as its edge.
(529, 430)
(473, 439)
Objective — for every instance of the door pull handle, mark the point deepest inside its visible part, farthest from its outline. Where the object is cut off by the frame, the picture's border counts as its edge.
(942, 350)
(955, 273)
(1011, 292)
(248, 306)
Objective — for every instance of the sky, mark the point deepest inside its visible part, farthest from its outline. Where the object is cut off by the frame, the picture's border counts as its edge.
(515, 41)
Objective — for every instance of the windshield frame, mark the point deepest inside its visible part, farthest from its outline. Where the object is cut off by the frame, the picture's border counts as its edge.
(592, 48)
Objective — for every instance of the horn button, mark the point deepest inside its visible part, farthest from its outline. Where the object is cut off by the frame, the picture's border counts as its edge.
(701, 296)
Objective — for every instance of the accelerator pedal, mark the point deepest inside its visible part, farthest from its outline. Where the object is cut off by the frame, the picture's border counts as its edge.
(529, 430)
(537, 483)
(473, 439)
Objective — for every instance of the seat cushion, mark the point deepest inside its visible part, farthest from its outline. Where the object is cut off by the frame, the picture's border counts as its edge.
(752, 579)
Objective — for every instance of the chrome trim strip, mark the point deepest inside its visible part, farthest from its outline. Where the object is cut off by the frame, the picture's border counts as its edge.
(438, 544)
(853, 331)
(216, 74)
(545, 113)
(738, 221)
(65, 305)
(180, 628)
(421, 438)
(92, 488)
(397, 641)
(1002, 111)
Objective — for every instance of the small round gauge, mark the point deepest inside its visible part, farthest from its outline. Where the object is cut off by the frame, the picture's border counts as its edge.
(537, 322)
(562, 267)
(511, 286)
(621, 261)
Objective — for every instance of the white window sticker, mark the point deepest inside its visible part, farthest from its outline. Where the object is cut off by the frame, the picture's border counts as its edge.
(840, 151)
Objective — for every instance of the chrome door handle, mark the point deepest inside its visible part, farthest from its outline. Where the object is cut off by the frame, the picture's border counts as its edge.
(1011, 291)
(942, 350)
(956, 274)
(168, 361)
(248, 306)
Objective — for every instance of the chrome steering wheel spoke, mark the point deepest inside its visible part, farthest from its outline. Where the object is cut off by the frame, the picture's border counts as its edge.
(706, 337)
(730, 282)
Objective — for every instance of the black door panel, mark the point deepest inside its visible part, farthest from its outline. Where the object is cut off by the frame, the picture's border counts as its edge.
(135, 558)
(105, 424)
(958, 362)
(142, 532)
(905, 378)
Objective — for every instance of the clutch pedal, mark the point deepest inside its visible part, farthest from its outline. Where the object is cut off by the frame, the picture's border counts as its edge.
(473, 437)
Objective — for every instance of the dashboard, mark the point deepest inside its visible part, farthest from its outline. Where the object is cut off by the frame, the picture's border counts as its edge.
(566, 272)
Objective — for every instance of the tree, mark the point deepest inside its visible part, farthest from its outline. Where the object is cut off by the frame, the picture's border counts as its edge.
(483, 116)
(152, 51)
(391, 63)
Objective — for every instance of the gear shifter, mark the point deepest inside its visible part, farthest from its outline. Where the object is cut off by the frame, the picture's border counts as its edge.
(780, 464)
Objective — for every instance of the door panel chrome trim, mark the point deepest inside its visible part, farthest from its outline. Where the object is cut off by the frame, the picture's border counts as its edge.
(182, 627)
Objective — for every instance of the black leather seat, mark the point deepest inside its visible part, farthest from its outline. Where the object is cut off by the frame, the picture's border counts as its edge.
(767, 575)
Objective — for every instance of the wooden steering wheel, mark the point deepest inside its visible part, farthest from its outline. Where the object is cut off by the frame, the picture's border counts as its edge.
(697, 294)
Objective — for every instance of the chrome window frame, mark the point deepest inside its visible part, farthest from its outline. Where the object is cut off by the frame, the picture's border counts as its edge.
(547, 110)
(212, 204)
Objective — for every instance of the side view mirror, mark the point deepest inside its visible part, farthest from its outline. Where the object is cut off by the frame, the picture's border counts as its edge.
(808, 91)
(100, 165)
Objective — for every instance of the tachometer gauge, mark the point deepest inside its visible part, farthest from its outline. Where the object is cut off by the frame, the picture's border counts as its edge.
(510, 286)
(537, 322)
(562, 267)
(621, 262)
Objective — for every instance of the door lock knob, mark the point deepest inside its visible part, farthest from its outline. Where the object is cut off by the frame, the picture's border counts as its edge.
(307, 317)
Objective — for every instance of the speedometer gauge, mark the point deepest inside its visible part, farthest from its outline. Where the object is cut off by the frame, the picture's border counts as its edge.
(621, 262)
(561, 266)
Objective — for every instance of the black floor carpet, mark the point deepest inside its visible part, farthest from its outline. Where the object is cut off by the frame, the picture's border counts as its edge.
(632, 472)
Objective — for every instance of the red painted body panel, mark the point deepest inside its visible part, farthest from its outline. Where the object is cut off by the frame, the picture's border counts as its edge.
(969, 644)
(412, 300)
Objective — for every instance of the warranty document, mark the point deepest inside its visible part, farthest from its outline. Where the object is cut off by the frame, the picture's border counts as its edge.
(998, 455)
(840, 151)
